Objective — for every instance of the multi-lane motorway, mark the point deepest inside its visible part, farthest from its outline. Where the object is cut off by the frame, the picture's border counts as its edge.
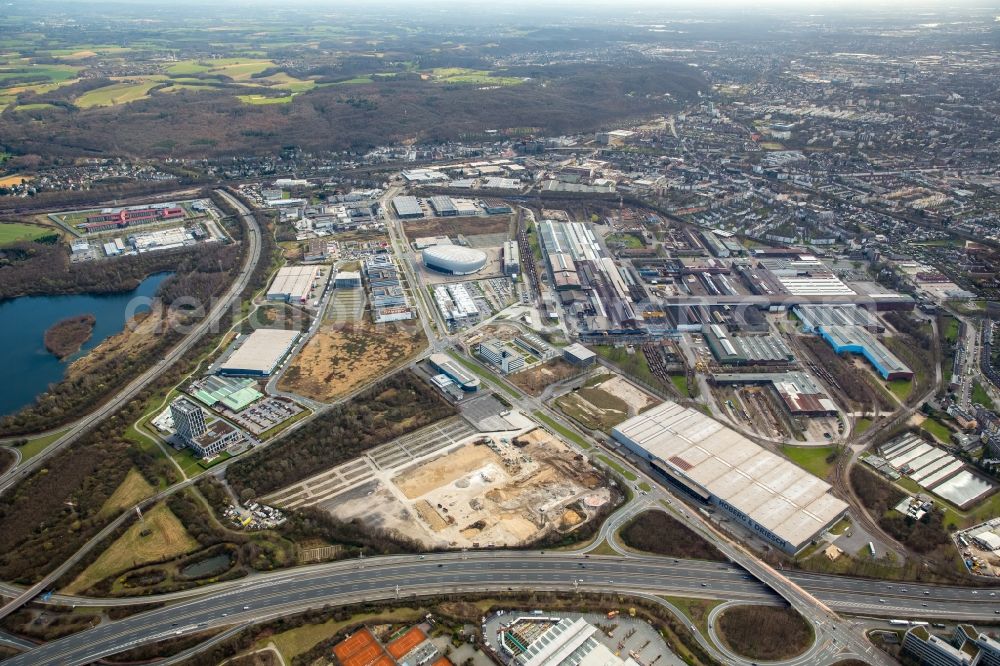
(274, 595)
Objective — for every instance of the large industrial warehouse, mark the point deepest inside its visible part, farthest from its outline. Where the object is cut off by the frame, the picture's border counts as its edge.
(293, 284)
(775, 498)
(260, 353)
(453, 259)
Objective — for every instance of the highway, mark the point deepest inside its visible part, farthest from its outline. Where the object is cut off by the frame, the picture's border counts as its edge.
(273, 595)
(211, 320)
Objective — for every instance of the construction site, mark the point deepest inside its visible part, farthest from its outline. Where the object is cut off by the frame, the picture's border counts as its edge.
(488, 491)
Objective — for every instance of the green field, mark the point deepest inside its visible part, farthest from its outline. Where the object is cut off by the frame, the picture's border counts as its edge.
(118, 93)
(811, 458)
(27, 73)
(901, 388)
(472, 76)
(937, 429)
(12, 232)
(34, 107)
(862, 425)
(980, 396)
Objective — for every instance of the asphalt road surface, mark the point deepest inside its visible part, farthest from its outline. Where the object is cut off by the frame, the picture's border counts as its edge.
(273, 595)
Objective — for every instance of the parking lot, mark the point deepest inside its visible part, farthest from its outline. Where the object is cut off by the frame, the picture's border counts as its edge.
(265, 414)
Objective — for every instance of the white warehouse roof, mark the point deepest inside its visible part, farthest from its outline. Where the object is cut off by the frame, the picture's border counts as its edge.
(293, 283)
(775, 493)
(260, 353)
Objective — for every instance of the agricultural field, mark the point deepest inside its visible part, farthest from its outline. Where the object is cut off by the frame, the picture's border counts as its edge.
(459, 75)
(339, 359)
(118, 93)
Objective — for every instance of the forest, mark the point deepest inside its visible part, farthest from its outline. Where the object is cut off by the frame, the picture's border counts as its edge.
(393, 407)
(204, 123)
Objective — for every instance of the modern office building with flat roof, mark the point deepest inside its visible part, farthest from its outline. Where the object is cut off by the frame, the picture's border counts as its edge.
(778, 500)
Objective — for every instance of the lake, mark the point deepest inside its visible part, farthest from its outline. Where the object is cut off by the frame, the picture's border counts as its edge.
(28, 368)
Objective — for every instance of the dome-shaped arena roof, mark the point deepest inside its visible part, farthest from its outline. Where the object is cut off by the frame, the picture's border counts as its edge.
(454, 259)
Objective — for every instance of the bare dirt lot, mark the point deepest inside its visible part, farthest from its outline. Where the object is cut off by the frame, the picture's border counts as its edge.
(604, 402)
(451, 226)
(535, 380)
(338, 359)
(485, 492)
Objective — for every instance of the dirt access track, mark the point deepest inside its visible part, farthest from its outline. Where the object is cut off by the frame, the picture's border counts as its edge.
(486, 492)
(339, 358)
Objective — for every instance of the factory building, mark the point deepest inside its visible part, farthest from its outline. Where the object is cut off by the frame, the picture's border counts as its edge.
(260, 353)
(813, 317)
(715, 245)
(294, 284)
(857, 340)
(454, 370)
(443, 206)
(407, 207)
(511, 258)
(799, 393)
(770, 495)
(453, 259)
(730, 349)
